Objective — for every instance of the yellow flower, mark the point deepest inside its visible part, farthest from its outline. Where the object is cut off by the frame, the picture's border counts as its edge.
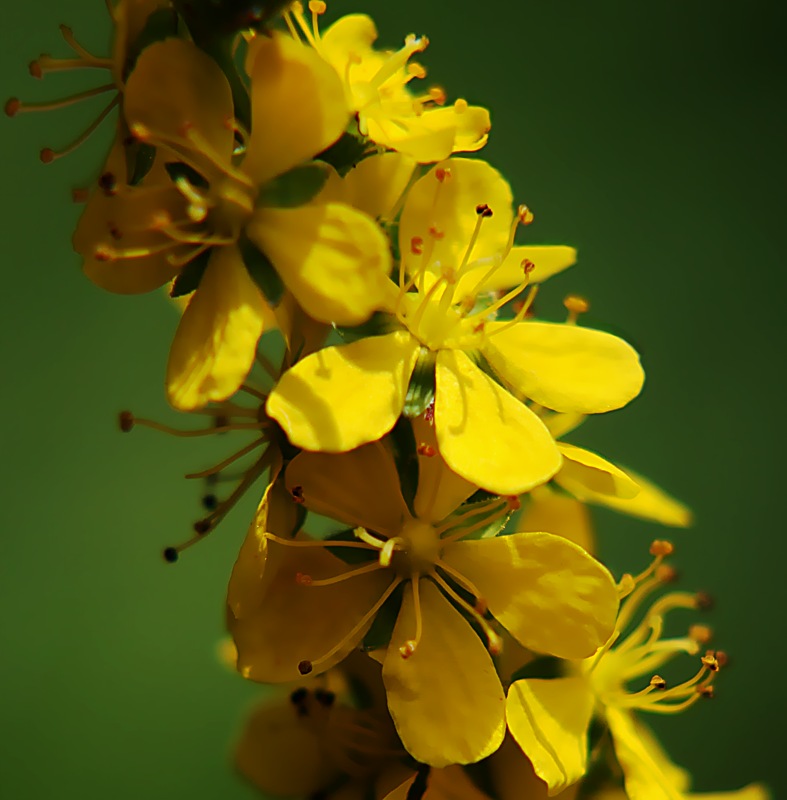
(198, 205)
(129, 18)
(376, 83)
(455, 249)
(296, 607)
(549, 718)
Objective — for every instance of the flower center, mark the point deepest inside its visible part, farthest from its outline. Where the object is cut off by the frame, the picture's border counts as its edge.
(420, 549)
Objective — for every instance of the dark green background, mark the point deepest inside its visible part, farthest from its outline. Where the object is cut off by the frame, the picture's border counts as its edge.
(650, 135)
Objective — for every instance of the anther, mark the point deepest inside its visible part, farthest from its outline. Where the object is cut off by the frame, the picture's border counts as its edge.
(305, 667)
(704, 601)
(139, 131)
(436, 233)
(416, 245)
(416, 70)
(317, 6)
(513, 503)
(525, 215)
(708, 692)
(429, 413)
(657, 682)
(303, 580)
(108, 184)
(527, 266)
(483, 210)
(126, 421)
(407, 649)
(441, 173)
(666, 573)
(12, 106)
(460, 106)
(426, 450)
(34, 68)
(495, 643)
(701, 634)
(210, 501)
(297, 494)
(710, 661)
(661, 547)
(325, 698)
(47, 155)
(170, 555)
(438, 96)
(722, 659)
(576, 304)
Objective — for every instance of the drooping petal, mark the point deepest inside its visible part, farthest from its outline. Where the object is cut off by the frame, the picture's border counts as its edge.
(216, 340)
(548, 259)
(440, 490)
(445, 699)
(548, 592)
(298, 107)
(176, 91)
(651, 503)
(445, 200)
(484, 434)
(549, 720)
(549, 511)
(342, 397)
(584, 472)
(284, 754)
(293, 622)
(359, 488)
(565, 367)
(334, 259)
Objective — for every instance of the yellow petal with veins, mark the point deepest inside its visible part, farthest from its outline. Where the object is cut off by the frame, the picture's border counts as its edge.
(175, 87)
(548, 259)
(445, 699)
(217, 337)
(565, 367)
(298, 107)
(585, 473)
(342, 397)
(546, 591)
(288, 625)
(547, 510)
(484, 434)
(359, 488)
(549, 720)
(334, 259)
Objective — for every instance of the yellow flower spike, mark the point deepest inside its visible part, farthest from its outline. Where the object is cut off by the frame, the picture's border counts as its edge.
(432, 647)
(342, 397)
(424, 690)
(377, 88)
(216, 340)
(484, 434)
(298, 107)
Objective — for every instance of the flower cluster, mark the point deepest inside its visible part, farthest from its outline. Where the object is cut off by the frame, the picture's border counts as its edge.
(420, 575)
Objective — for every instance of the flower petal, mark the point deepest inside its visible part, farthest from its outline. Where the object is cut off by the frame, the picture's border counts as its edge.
(445, 699)
(359, 488)
(584, 473)
(289, 622)
(513, 777)
(547, 510)
(216, 340)
(175, 89)
(565, 367)
(448, 206)
(334, 259)
(341, 397)
(298, 107)
(377, 183)
(549, 720)
(485, 435)
(549, 259)
(440, 490)
(651, 503)
(546, 591)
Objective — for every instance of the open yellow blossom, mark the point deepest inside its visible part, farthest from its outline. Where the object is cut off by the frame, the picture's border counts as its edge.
(129, 18)
(377, 87)
(454, 248)
(296, 607)
(212, 216)
(549, 718)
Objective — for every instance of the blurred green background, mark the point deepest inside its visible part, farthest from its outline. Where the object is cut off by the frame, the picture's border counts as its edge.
(650, 135)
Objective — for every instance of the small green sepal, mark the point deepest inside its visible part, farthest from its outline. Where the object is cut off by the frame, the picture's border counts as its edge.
(295, 188)
(262, 271)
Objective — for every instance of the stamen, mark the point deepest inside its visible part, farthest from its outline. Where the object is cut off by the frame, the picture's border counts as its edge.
(48, 155)
(452, 521)
(410, 646)
(317, 543)
(15, 106)
(481, 605)
(305, 667)
(387, 550)
(127, 421)
(227, 461)
(307, 580)
(575, 305)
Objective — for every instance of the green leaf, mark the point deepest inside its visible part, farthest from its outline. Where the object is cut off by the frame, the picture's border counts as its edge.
(344, 153)
(406, 459)
(380, 633)
(177, 169)
(420, 392)
(262, 271)
(294, 188)
(139, 161)
(546, 667)
(190, 276)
